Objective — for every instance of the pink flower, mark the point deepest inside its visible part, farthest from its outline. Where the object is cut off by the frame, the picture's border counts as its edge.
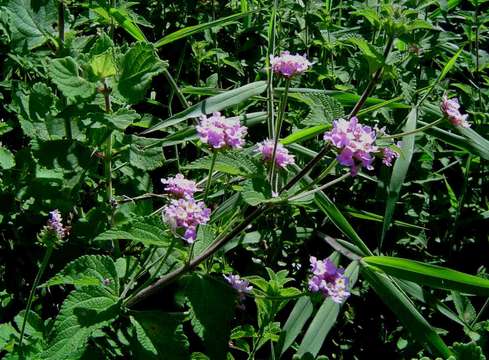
(282, 156)
(186, 214)
(450, 108)
(241, 286)
(328, 279)
(179, 186)
(55, 224)
(220, 132)
(355, 142)
(289, 65)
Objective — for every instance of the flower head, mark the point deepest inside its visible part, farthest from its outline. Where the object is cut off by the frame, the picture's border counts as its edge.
(388, 155)
(55, 224)
(240, 285)
(355, 142)
(282, 156)
(219, 132)
(289, 65)
(179, 186)
(328, 279)
(186, 214)
(450, 108)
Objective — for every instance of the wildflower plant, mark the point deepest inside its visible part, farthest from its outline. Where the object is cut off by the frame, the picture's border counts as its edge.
(299, 161)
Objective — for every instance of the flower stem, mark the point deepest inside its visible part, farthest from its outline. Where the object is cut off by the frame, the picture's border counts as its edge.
(209, 177)
(278, 127)
(322, 187)
(393, 136)
(40, 272)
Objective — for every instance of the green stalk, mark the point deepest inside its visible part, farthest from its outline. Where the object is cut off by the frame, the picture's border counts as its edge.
(278, 128)
(40, 272)
(427, 126)
(209, 177)
(321, 188)
(270, 51)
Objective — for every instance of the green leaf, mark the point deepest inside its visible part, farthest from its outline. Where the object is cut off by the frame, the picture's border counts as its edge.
(122, 118)
(82, 313)
(212, 306)
(298, 317)
(304, 134)
(228, 162)
(323, 108)
(404, 309)
(214, 103)
(65, 73)
(103, 65)
(399, 171)
(88, 270)
(145, 233)
(430, 275)
(138, 67)
(256, 191)
(470, 351)
(7, 160)
(325, 319)
(31, 25)
(160, 335)
(191, 30)
(143, 153)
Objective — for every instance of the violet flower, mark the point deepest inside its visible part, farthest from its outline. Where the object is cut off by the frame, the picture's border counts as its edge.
(180, 187)
(186, 214)
(242, 286)
(450, 107)
(329, 280)
(289, 65)
(355, 142)
(282, 156)
(220, 132)
(388, 155)
(55, 224)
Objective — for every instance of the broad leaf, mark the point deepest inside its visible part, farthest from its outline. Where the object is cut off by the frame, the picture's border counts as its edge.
(7, 160)
(229, 162)
(145, 233)
(65, 73)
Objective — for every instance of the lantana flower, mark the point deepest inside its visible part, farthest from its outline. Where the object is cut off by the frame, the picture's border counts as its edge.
(389, 154)
(289, 65)
(329, 280)
(220, 132)
(242, 286)
(186, 214)
(356, 143)
(450, 108)
(282, 156)
(180, 187)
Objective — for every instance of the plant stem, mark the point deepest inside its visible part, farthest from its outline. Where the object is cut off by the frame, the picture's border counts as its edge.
(425, 127)
(321, 176)
(270, 51)
(209, 177)
(61, 24)
(216, 245)
(40, 272)
(278, 128)
(373, 82)
(175, 88)
(322, 187)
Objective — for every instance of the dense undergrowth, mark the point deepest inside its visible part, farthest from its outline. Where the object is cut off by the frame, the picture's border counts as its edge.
(175, 184)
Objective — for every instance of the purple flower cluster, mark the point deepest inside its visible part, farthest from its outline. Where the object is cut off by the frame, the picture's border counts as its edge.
(356, 142)
(55, 224)
(186, 214)
(282, 156)
(219, 132)
(450, 108)
(241, 286)
(388, 155)
(289, 65)
(180, 187)
(329, 280)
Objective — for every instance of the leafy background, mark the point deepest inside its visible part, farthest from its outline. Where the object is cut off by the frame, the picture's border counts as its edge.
(165, 63)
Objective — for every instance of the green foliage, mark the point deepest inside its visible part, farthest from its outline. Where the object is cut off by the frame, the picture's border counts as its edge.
(66, 74)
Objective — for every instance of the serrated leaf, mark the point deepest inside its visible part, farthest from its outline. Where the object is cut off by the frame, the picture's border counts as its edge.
(89, 270)
(143, 153)
(470, 351)
(82, 313)
(7, 160)
(160, 335)
(256, 191)
(138, 67)
(212, 304)
(65, 73)
(31, 25)
(103, 65)
(144, 233)
(323, 109)
(229, 162)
